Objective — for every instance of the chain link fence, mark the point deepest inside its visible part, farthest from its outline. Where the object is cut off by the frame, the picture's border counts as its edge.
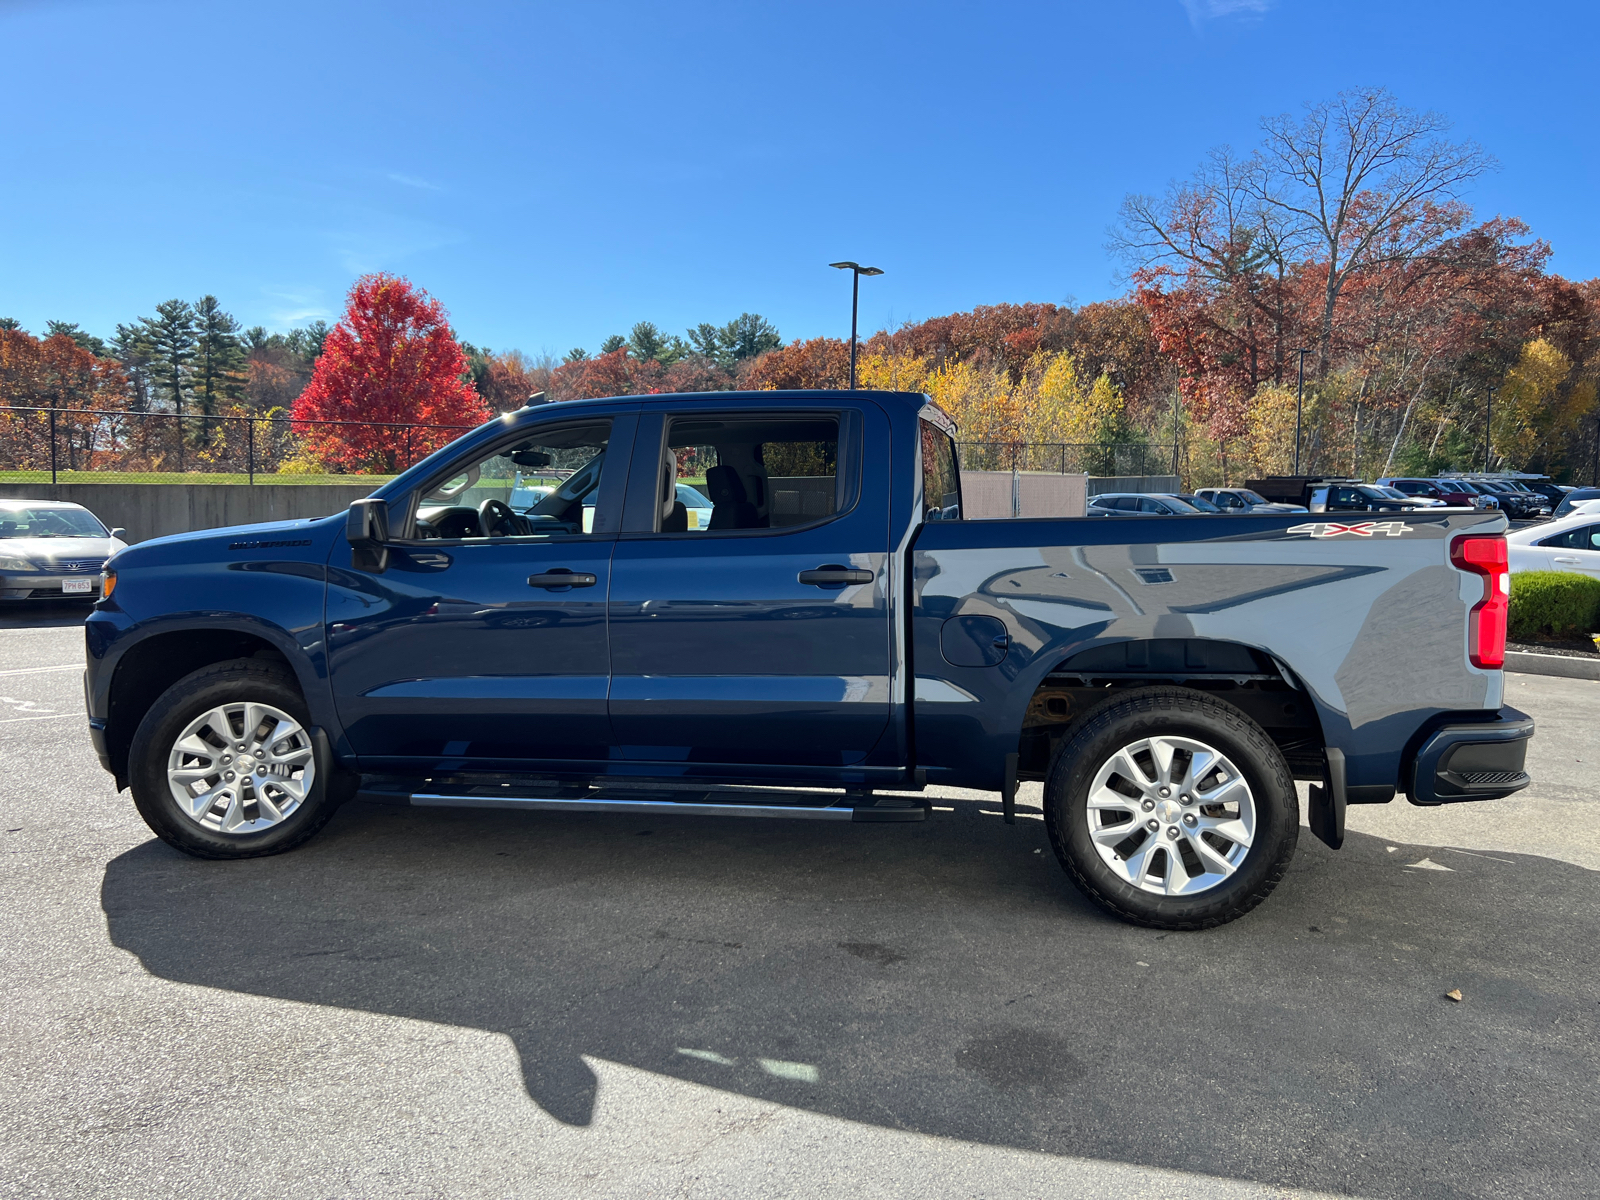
(1087, 458)
(70, 445)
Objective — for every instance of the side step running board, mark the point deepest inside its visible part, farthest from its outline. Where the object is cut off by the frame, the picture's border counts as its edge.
(698, 803)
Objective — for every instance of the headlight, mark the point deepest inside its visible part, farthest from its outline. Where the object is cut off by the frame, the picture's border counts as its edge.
(13, 563)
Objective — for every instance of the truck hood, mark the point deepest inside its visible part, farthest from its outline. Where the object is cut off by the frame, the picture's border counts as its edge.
(200, 544)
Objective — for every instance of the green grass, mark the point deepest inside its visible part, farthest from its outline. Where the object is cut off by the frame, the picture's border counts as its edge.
(186, 477)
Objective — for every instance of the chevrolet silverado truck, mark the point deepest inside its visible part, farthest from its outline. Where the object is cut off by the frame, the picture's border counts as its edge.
(529, 618)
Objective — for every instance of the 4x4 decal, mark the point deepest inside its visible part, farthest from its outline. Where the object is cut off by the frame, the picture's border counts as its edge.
(1327, 529)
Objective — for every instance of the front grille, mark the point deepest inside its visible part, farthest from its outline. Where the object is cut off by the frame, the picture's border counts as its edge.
(1492, 778)
(77, 566)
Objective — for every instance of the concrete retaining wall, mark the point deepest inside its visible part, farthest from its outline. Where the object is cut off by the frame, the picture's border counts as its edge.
(987, 495)
(149, 510)
(1101, 484)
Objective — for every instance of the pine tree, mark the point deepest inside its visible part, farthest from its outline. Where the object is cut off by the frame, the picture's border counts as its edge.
(71, 329)
(218, 371)
(131, 347)
(171, 337)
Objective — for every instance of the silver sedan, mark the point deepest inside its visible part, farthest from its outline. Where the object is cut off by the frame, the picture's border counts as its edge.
(52, 550)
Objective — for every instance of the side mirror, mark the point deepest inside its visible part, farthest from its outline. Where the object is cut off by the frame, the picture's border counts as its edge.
(367, 531)
(120, 533)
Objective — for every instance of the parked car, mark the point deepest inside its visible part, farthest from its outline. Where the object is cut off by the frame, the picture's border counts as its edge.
(1518, 503)
(1138, 504)
(696, 506)
(1555, 493)
(1294, 489)
(1574, 498)
(1569, 544)
(1453, 492)
(1363, 497)
(1397, 494)
(52, 550)
(1165, 680)
(1243, 500)
(1193, 501)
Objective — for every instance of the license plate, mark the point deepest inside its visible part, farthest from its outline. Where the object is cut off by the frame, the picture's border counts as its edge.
(77, 587)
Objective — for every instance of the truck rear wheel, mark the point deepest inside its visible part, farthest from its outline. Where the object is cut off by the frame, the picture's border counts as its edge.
(1172, 809)
(224, 764)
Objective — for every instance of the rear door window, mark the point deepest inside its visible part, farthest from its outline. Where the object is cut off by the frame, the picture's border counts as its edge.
(727, 474)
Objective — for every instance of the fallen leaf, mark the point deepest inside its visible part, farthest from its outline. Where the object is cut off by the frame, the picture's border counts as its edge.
(1454, 994)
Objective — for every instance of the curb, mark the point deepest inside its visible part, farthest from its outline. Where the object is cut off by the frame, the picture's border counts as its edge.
(1559, 665)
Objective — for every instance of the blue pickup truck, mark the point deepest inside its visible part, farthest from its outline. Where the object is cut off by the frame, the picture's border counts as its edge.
(833, 639)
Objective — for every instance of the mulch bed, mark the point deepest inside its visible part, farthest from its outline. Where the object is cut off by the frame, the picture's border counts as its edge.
(1565, 649)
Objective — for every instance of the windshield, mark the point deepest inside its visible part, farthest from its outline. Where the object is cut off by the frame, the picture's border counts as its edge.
(1200, 502)
(692, 498)
(1252, 497)
(1393, 493)
(1459, 485)
(1375, 493)
(49, 523)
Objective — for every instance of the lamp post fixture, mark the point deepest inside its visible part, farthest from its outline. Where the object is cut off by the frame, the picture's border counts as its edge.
(1488, 432)
(1299, 395)
(857, 271)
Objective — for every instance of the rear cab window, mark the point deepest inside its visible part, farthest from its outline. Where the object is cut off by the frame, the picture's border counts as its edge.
(733, 473)
(941, 473)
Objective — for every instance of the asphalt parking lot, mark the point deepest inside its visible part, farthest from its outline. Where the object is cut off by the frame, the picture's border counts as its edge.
(446, 1003)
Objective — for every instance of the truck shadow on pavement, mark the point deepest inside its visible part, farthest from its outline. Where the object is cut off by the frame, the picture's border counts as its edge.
(43, 614)
(946, 978)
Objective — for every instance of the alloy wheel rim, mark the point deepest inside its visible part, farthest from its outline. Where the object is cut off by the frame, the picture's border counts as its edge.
(1172, 816)
(241, 768)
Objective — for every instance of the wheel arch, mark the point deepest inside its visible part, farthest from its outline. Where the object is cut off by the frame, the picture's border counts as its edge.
(155, 662)
(1083, 679)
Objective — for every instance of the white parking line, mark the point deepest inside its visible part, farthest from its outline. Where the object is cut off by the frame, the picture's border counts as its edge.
(57, 717)
(41, 670)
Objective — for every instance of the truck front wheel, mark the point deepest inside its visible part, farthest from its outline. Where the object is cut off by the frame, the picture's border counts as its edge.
(224, 764)
(1172, 809)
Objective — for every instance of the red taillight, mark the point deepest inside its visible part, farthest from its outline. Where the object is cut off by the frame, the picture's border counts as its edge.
(1485, 555)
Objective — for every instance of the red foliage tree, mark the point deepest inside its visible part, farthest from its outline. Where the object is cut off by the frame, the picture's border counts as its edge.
(392, 360)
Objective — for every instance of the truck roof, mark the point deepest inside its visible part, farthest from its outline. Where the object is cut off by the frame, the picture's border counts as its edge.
(774, 398)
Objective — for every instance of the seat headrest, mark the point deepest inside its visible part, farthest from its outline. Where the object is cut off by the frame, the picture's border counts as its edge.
(725, 486)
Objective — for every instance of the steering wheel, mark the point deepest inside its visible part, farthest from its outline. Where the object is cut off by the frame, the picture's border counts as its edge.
(496, 519)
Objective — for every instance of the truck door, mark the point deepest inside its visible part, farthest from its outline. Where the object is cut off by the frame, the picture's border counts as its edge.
(481, 644)
(763, 639)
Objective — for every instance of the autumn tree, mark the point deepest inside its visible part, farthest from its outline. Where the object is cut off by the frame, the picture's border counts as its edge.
(1354, 178)
(392, 360)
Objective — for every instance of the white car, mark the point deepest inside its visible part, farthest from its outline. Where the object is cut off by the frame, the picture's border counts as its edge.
(1569, 544)
(52, 550)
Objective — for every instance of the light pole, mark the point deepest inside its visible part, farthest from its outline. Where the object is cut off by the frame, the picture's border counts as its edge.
(1299, 395)
(1488, 431)
(857, 271)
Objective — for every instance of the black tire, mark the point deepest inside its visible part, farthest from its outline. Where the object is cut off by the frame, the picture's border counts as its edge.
(1180, 713)
(240, 680)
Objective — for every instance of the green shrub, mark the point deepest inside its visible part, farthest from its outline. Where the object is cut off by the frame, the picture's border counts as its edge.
(1560, 604)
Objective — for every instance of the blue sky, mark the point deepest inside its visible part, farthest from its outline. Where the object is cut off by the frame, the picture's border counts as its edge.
(555, 172)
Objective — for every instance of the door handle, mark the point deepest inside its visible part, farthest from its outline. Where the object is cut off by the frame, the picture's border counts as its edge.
(834, 576)
(1564, 558)
(561, 577)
